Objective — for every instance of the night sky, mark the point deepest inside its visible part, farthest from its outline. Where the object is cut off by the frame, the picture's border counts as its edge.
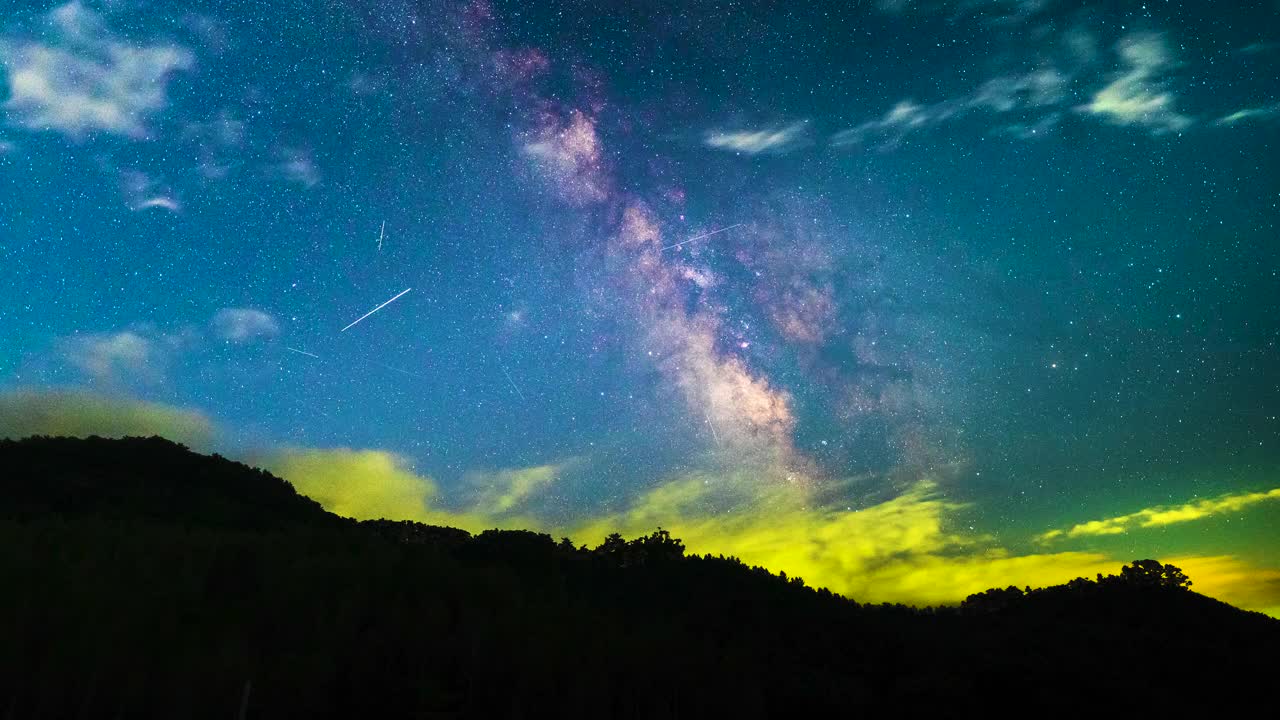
(908, 298)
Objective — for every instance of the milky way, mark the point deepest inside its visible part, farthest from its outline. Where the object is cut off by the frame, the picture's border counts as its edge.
(908, 298)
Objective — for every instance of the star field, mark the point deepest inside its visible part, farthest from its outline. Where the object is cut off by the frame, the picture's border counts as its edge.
(910, 298)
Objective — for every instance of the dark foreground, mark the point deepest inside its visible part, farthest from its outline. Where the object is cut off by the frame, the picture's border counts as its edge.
(143, 580)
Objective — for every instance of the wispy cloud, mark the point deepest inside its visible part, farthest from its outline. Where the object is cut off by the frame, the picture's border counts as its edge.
(243, 325)
(1266, 112)
(1026, 92)
(1257, 48)
(84, 79)
(510, 490)
(298, 166)
(163, 203)
(999, 11)
(1161, 515)
(1045, 87)
(754, 142)
(1137, 95)
(902, 119)
(1031, 131)
(142, 192)
(219, 144)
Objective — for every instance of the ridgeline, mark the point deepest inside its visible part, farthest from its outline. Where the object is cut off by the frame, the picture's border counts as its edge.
(144, 580)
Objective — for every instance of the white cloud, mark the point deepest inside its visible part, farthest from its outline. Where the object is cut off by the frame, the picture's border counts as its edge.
(754, 142)
(1265, 112)
(126, 357)
(242, 325)
(143, 354)
(298, 166)
(1137, 95)
(87, 80)
(105, 354)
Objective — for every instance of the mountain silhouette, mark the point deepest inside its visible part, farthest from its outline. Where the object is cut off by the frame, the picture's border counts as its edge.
(145, 580)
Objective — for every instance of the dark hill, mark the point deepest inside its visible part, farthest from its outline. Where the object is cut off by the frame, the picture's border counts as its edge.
(143, 580)
(146, 479)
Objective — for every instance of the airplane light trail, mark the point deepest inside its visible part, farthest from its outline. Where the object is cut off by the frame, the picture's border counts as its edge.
(374, 310)
(704, 235)
(303, 352)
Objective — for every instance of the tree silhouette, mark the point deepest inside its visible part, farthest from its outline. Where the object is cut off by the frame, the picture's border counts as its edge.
(658, 547)
(1150, 573)
(993, 600)
(614, 548)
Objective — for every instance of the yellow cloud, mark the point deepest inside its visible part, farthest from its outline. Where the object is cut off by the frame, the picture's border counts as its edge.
(1233, 581)
(81, 414)
(1205, 508)
(1160, 516)
(361, 484)
(933, 579)
(906, 549)
(376, 485)
(899, 550)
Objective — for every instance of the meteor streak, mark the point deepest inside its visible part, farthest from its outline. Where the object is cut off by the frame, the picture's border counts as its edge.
(371, 362)
(513, 383)
(704, 235)
(396, 369)
(374, 310)
(712, 425)
(381, 234)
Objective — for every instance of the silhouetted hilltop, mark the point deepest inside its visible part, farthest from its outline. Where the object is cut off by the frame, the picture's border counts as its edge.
(144, 580)
(150, 478)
